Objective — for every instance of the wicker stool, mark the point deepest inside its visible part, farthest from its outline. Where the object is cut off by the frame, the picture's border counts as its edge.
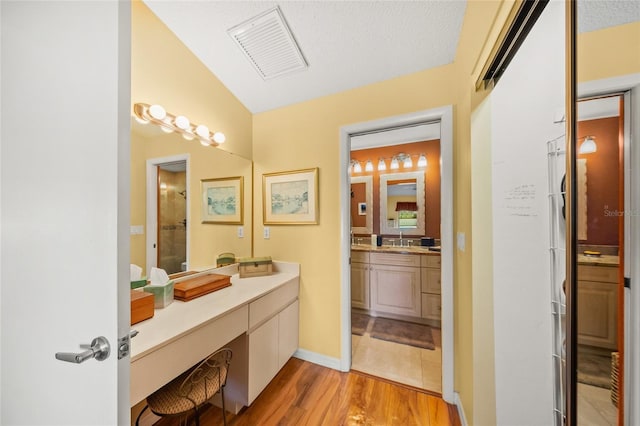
(189, 391)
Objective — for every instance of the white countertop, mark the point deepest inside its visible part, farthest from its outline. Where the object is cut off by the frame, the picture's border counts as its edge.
(395, 249)
(177, 319)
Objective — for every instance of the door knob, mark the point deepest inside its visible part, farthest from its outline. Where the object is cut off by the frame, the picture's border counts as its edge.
(99, 349)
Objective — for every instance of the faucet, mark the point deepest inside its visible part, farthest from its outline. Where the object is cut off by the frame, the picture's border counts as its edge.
(400, 238)
(353, 241)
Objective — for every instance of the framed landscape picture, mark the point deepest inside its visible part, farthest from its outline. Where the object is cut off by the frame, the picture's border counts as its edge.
(222, 200)
(290, 198)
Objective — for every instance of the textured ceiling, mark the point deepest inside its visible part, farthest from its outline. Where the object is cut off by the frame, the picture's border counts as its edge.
(595, 15)
(347, 44)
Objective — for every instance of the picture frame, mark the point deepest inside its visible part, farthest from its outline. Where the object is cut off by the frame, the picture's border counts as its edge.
(290, 198)
(222, 200)
(362, 209)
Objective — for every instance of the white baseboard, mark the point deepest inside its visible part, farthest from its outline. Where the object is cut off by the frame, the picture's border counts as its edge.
(463, 418)
(316, 358)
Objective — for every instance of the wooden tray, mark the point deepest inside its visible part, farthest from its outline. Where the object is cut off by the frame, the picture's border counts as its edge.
(199, 286)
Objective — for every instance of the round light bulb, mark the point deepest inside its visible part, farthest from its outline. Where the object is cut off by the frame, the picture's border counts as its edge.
(205, 142)
(202, 131)
(188, 135)
(157, 112)
(166, 129)
(219, 137)
(182, 122)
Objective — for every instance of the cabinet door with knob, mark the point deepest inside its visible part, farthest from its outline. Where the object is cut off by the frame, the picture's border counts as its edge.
(360, 280)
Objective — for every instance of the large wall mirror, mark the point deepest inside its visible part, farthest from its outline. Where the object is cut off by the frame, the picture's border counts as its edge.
(362, 204)
(402, 204)
(175, 236)
(608, 78)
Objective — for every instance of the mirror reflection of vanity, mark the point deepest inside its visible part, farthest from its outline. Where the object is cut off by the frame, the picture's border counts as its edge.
(402, 204)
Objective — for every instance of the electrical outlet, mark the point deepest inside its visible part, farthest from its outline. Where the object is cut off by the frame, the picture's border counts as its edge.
(266, 232)
(240, 231)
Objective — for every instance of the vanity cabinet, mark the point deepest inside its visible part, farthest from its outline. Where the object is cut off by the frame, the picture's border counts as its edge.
(395, 283)
(431, 288)
(360, 279)
(273, 336)
(598, 305)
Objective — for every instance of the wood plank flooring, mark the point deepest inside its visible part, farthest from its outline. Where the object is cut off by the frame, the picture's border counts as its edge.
(308, 394)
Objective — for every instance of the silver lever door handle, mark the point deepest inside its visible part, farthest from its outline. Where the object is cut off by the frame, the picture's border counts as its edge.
(99, 349)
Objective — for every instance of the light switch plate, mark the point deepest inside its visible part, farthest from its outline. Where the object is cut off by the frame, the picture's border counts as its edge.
(266, 233)
(461, 241)
(137, 229)
(240, 231)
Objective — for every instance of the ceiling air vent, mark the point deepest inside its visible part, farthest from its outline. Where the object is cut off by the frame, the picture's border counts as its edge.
(267, 42)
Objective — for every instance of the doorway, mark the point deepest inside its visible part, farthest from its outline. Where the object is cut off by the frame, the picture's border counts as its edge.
(622, 390)
(167, 233)
(348, 133)
(172, 217)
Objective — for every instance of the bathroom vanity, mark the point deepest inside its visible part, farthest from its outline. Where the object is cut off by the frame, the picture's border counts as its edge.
(396, 281)
(257, 317)
(598, 301)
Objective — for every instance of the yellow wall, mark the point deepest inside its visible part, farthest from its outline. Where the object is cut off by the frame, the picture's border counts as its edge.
(609, 52)
(307, 135)
(164, 71)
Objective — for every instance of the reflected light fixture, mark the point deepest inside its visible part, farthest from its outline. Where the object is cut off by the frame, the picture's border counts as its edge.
(356, 167)
(382, 166)
(407, 163)
(156, 114)
(588, 145)
(394, 164)
(369, 166)
(422, 161)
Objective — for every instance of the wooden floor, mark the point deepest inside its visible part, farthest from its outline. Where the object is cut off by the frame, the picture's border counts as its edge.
(308, 394)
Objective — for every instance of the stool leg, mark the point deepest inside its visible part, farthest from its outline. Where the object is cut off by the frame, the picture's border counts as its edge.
(140, 415)
(224, 411)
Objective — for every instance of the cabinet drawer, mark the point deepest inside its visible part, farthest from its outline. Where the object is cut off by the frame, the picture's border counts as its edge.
(430, 261)
(395, 259)
(598, 273)
(360, 256)
(431, 306)
(272, 303)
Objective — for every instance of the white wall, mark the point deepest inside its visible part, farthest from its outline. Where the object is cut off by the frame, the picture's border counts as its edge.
(523, 106)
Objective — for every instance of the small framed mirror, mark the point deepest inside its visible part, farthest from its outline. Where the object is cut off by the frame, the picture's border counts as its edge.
(402, 204)
(362, 205)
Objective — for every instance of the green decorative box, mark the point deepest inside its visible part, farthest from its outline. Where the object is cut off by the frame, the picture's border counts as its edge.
(163, 294)
(225, 259)
(255, 266)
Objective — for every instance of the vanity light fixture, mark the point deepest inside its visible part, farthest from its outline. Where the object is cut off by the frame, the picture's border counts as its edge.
(422, 161)
(356, 167)
(156, 114)
(394, 164)
(588, 145)
(407, 163)
(382, 166)
(369, 166)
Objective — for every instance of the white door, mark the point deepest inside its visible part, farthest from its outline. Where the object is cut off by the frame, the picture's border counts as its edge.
(64, 209)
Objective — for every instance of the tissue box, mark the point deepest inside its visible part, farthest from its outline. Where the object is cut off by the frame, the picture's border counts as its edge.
(141, 306)
(139, 283)
(255, 266)
(162, 294)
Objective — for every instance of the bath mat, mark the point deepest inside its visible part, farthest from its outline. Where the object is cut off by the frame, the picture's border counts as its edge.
(359, 323)
(594, 369)
(406, 333)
